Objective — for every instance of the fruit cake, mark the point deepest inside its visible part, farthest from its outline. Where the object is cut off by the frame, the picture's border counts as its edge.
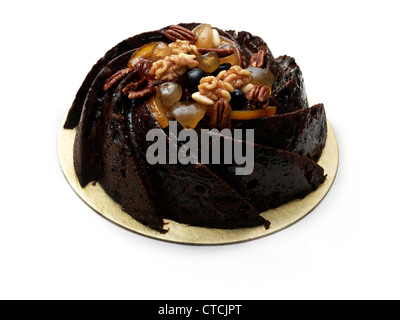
(200, 77)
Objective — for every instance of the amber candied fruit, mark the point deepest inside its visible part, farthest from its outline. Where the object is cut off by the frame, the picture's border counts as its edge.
(204, 35)
(233, 59)
(208, 62)
(262, 76)
(160, 51)
(169, 93)
(144, 52)
(188, 114)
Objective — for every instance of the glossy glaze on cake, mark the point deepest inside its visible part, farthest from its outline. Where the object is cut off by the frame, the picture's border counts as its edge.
(110, 146)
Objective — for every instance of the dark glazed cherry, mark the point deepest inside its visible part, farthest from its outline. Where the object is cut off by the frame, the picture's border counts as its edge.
(222, 67)
(193, 79)
(143, 67)
(238, 101)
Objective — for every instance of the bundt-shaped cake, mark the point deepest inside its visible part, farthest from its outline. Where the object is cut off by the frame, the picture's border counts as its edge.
(202, 78)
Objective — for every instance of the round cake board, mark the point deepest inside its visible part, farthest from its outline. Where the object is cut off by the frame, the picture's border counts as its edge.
(282, 217)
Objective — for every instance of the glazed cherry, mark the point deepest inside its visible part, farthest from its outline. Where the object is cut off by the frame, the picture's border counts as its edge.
(238, 101)
(222, 67)
(193, 79)
(143, 67)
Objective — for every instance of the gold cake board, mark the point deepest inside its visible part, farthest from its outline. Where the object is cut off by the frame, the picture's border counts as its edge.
(280, 218)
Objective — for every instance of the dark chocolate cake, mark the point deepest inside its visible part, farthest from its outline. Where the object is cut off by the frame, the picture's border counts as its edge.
(203, 78)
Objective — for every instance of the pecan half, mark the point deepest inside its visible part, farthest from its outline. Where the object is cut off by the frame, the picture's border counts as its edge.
(258, 59)
(116, 77)
(180, 33)
(221, 52)
(221, 115)
(140, 89)
(258, 96)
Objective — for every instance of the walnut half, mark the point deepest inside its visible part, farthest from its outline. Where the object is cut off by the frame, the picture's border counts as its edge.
(173, 66)
(215, 89)
(236, 76)
(181, 46)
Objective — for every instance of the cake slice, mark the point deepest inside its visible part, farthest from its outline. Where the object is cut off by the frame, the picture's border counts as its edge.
(278, 176)
(190, 194)
(302, 132)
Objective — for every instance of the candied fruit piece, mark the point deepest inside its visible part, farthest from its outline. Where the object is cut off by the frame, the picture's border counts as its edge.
(188, 114)
(160, 51)
(209, 62)
(143, 66)
(233, 59)
(169, 93)
(143, 52)
(262, 76)
(204, 36)
(158, 111)
(253, 114)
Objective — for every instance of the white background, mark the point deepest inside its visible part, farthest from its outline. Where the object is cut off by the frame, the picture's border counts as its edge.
(52, 246)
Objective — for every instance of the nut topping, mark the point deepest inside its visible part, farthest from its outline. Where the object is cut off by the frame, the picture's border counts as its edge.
(140, 89)
(164, 64)
(215, 89)
(183, 46)
(204, 100)
(258, 96)
(116, 77)
(245, 89)
(175, 33)
(173, 66)
(258, 59)
(221, 115)
(221, 52)
(184, 60)
(236, 76)
(216, 39)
